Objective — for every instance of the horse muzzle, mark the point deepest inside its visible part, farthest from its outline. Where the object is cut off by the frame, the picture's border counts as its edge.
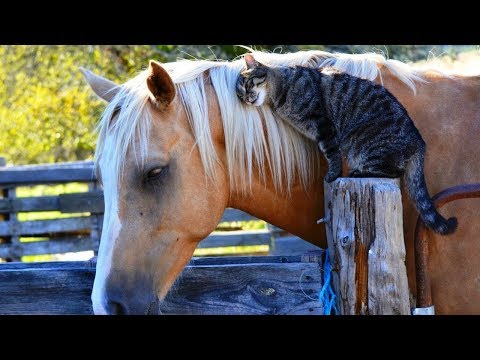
(122, 308)
(121, 299)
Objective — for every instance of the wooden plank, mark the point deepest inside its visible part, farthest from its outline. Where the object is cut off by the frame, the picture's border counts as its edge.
(236, 238)
(3, 216)
(28, 228)
(91, 201)
(231, 214)
(366, 245)
(96, 214)
(14, 240)
(257, 288)
(9, 193)
(59, 265)
(51, 176)
(66, 203)
(52, 246)
(82, 243)
(276, 231)
(291, 245)
(196, 261)
(239, 260)
(46, 291)
(83, 164)
(39, 203)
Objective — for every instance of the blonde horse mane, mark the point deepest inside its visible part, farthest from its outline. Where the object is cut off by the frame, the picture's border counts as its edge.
(249, 146)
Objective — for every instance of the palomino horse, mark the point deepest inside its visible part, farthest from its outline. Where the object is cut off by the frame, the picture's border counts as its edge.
(176, 148)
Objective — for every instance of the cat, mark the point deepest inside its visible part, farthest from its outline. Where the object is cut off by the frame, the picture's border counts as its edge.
(351, 117)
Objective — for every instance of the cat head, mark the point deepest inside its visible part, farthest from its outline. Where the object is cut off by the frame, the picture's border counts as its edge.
(251, 83)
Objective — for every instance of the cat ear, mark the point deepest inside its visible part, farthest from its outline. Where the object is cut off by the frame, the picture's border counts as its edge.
(251, 62)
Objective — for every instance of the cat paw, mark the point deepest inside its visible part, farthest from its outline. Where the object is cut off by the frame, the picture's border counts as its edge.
(354, 174)
(331, 177)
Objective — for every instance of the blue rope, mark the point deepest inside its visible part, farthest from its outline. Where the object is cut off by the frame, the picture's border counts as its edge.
(327, 296)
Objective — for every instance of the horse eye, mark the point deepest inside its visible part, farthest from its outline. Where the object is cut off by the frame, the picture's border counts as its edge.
(154, 173)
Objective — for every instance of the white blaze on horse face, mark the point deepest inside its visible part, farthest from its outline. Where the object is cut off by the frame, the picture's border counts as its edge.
(111, 230)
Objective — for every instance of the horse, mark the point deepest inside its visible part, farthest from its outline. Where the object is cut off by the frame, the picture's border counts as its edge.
(176, 147)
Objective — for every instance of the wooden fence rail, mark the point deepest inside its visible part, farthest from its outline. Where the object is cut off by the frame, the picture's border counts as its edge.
(363, 219)
(257, 285)
(83, 231)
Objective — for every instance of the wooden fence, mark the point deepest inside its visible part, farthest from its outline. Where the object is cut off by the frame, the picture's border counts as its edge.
(83, 231)
(363, 218)
(257, 285)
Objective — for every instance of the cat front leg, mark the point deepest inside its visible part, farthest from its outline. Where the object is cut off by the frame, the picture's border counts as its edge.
(331, 151)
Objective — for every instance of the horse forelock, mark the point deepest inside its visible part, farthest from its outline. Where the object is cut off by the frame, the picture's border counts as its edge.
(251, 144)
(132, 123)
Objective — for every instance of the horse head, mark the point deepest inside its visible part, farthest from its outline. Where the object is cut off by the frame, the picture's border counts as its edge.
(158, 202)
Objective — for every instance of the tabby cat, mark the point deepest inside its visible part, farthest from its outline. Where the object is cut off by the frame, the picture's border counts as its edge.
(348, 116)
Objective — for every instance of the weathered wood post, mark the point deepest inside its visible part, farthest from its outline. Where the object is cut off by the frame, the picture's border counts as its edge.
(11, 193)
(97, 221)
(3, 194)
(364, 225)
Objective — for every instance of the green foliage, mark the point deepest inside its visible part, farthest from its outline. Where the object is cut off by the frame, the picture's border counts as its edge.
(48, 113)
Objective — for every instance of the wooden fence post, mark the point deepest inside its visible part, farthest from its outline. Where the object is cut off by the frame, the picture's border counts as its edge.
(11, 193)
(97, 221)
(365, 242)
(3, 194)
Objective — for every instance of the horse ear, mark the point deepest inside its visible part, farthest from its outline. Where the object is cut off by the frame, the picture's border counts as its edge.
(251, 62)
(160, 84)
(104, 88)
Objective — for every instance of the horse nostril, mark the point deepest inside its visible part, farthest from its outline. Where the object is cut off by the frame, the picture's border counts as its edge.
(115, 308)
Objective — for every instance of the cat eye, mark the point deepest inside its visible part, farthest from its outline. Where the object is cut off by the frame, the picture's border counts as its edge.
(259, 81)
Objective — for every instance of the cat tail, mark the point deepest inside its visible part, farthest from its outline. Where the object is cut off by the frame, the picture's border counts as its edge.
(415, 183)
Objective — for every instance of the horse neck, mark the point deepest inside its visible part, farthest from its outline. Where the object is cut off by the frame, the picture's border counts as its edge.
(297, 214)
